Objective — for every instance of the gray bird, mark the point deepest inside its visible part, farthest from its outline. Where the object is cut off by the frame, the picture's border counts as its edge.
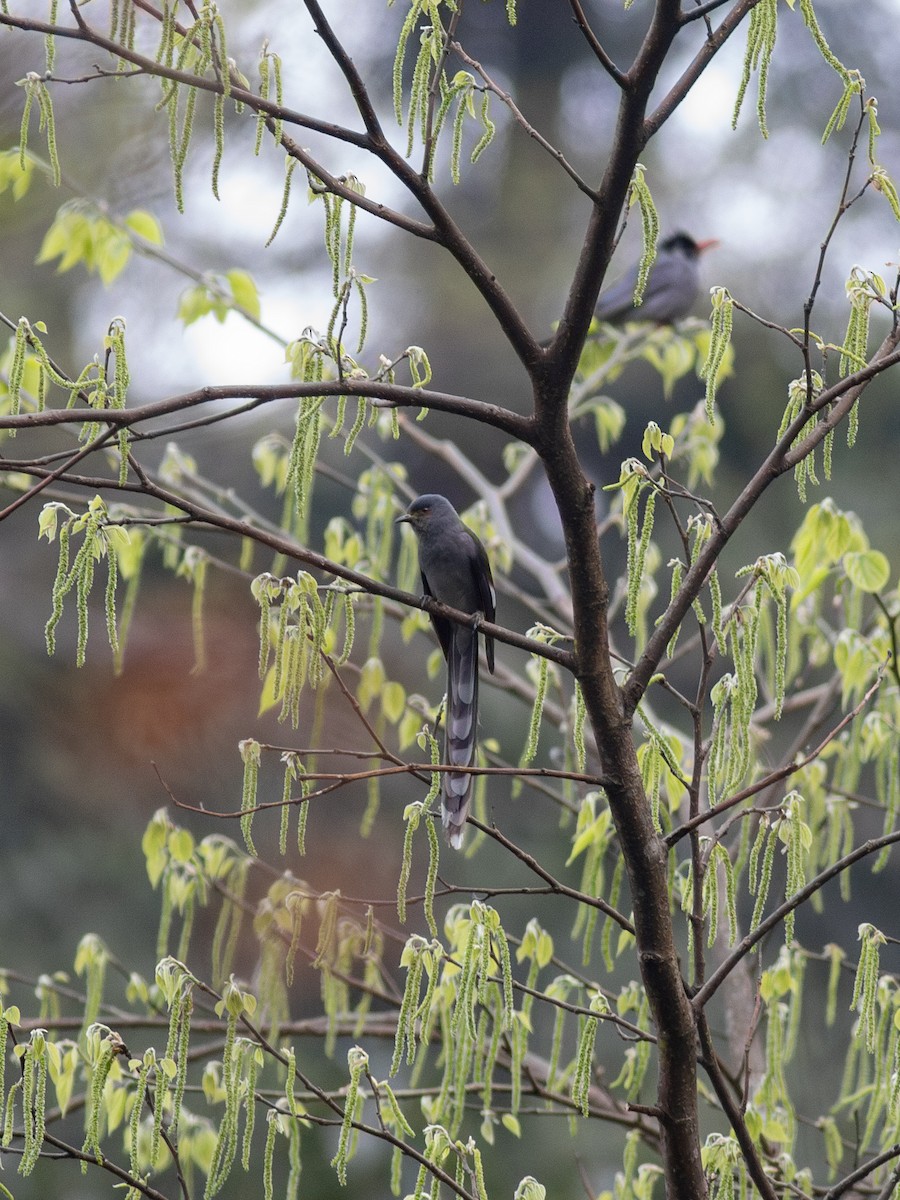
(455, 570)
(671, 289)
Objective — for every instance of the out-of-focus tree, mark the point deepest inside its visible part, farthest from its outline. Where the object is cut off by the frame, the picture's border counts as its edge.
(710, 747)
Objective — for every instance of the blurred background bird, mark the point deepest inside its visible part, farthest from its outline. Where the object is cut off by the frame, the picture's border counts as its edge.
(672, 287)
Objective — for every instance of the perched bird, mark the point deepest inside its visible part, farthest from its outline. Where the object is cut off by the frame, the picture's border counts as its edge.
(671, 288)
(456, 571)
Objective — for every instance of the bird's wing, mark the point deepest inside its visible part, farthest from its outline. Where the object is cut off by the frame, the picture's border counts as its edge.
(618, 299)
(441, 626)
(484, 582)
(671, 290)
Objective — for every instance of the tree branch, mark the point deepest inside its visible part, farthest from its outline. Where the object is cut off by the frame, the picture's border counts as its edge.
(593, 41)
(394, 395)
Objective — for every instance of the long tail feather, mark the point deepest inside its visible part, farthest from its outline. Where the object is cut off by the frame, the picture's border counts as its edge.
(461, 731)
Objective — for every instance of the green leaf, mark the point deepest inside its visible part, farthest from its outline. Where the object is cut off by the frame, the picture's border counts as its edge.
(58, 238)
(609, 423)
(181, 845)
(409, 728)
(512, 1124)
(195, 303)
(371, 681)
(112, 251)
(13, 174)
(869, 570)
(855, 661)
(145, 225)
(530, 1189)
(153, 845)
(63, 1078)
(244, 291)
(393, 701)
(47, 521)
(672, 358)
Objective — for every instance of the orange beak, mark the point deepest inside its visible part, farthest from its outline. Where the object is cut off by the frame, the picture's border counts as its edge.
(708, 244)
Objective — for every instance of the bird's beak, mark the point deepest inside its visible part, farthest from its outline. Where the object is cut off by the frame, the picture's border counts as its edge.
(709, 244)
(403, 517)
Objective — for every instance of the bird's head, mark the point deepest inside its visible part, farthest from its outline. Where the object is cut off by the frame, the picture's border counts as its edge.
(684, 244)
(423, 510)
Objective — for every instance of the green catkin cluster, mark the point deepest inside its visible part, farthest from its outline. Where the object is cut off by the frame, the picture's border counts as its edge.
(865, 987)
(140, 1095)
(540, 674)
(856, 339)
(173, 982)
(637, 554)
(118, 391)
(36, 89)
(800, 392)
(17, 366)
(203, 45)
(432, 95)
(655, 754)
(6, 1016)
(715, 595)
(412, 815)
(639, 193)
(761, 34)
(631, 500)
(775, 576)
(34, 1100)
(418, 956)
(434, 853)
(103, 1058)
(49, 39)
(734, 699)
(304, 450)
(121, 27)
(237, 1054)
(853, 351)
(299, 637)
(721, 323)
(269, 74)
(719, 869)
(251, 752)
(357, 1061)
(795, 832)
(584, 1058)
(80, 574)
(290, 165)
(578, 722)
(294, 770)
(675, 584)
(165, 51)
(9, 1115)
(766, 844)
